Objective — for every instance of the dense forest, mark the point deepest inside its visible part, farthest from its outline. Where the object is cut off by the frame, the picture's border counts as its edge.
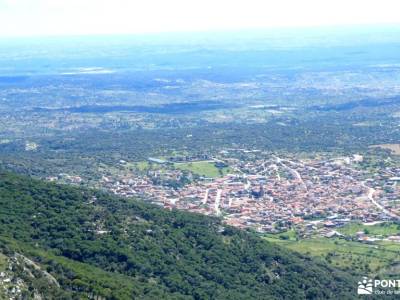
(101, 246)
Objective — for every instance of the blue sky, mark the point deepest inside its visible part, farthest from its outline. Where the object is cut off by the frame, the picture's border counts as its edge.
(72, 17)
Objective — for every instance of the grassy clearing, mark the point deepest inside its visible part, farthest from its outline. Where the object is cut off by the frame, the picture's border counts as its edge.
(348, 255)
(384, 229)
(141, 165)
(202, 168)
(288, 235)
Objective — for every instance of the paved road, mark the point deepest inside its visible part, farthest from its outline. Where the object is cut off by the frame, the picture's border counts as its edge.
(370, 196)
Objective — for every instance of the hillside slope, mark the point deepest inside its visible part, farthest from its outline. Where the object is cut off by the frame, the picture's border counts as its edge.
(79, 242)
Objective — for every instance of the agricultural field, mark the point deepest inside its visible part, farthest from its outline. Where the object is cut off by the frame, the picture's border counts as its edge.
(368, 259)
(141, 165)
(202, 168)
(382, 229)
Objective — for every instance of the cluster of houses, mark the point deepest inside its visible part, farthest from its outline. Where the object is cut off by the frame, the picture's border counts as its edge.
(273, 194)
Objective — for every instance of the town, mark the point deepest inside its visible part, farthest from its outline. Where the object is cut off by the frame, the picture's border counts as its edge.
(270, 193)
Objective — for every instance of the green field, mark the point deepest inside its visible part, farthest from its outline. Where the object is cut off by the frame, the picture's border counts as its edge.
(202, 168)
(384, 229)
(348, 255)
(142, 165)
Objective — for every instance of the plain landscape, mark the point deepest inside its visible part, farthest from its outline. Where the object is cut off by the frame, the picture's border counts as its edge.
(236, 165)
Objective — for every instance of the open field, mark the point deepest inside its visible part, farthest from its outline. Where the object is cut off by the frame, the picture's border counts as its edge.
(348, 255)
(202, 168)
(142, 165)
(384, 229)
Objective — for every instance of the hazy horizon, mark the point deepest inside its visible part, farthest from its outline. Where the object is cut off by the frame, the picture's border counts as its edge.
(65, 18)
